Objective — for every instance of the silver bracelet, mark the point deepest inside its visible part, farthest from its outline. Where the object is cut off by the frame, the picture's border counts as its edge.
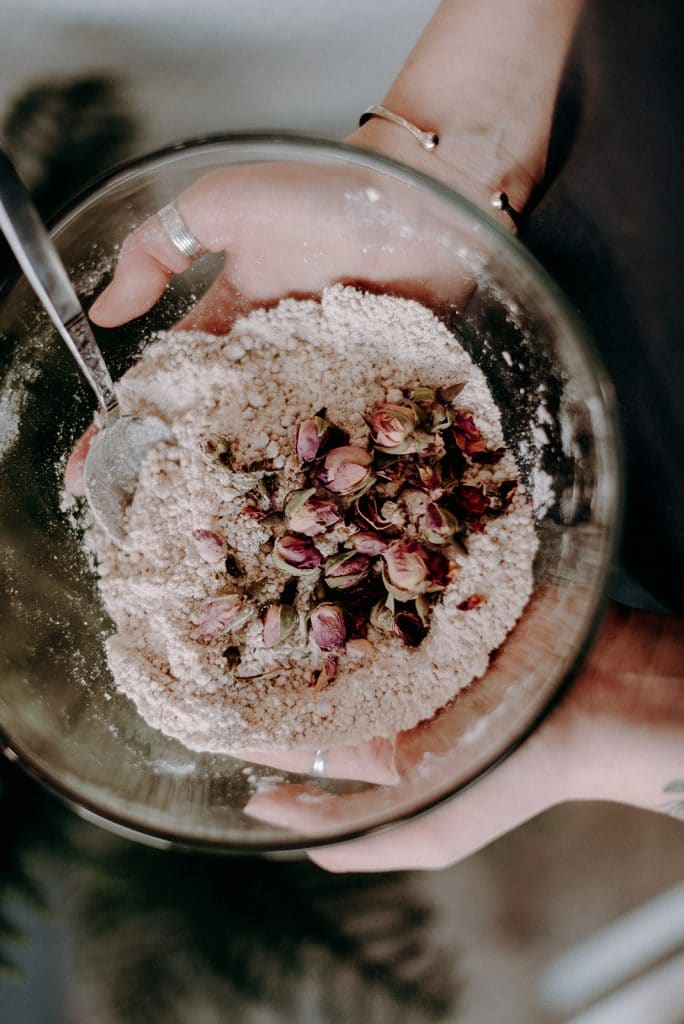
(428, 140)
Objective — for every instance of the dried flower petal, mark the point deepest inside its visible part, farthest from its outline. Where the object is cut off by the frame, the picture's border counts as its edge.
(382, 617)
(409, 628)
(328, 626)
(346, 470)
(392, 426)
(466, 434)
(489, 458)
(220, 613)
(366, 510)
(452, 391)
(210, 546)
(280, 620)
(423, 396)
(314, 437)
(474, 601)
(321, 677)
(438, 525)
(472, 500)
(368, 543)
(296, 555)
(346, 570)
(406, 570)
(307, 514)
(507, 492)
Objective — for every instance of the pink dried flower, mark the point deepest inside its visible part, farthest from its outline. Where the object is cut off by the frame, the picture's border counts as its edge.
(392, 426)
(368, 543)
(466, 434)
(367, 511)
(219, 613)
(346, 570)
(328, 626)
(474, 601)
(313, 437)
(211, 547)
(279, 621)
(406, 569)
(346, 470)
(305, 513)
(296, 555)
(438, 525)
(410, 569)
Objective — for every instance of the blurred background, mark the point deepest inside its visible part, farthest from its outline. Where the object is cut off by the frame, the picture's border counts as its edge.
(577, 916)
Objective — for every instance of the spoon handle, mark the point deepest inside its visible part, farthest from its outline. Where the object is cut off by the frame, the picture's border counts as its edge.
(24, 230)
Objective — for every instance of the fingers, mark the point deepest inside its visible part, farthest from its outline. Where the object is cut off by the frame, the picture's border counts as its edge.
(147, 261)
(373, 761)
(74, 470)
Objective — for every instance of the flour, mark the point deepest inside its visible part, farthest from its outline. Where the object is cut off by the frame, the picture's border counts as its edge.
(276, 367)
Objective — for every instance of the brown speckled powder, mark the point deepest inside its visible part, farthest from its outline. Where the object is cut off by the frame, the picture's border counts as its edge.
(275, 367)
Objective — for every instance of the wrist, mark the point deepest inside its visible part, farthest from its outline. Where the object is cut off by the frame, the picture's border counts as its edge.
(476, 168)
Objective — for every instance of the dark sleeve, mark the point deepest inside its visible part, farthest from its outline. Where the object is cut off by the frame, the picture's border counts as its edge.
(609, 229)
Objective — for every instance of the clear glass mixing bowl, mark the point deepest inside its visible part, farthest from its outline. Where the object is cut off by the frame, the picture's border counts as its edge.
(59, 715)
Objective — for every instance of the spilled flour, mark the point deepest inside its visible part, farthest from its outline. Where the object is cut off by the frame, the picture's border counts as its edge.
(251, 388)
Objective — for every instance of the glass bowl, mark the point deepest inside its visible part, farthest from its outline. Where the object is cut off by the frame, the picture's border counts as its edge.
(59, 714)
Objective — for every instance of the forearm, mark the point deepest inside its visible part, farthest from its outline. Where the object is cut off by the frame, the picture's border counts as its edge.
(624, 716)
(485, 77)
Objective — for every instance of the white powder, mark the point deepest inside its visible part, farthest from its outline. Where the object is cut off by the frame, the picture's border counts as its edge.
(275, 368)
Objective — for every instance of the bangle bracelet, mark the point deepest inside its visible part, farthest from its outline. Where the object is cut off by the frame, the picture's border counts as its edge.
(428, 140)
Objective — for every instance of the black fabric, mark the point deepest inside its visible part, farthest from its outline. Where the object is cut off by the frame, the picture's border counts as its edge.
(609, 229)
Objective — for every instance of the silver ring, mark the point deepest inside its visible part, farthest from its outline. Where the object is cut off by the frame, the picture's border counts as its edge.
(318, 767)
(428, 140)
(177, 230)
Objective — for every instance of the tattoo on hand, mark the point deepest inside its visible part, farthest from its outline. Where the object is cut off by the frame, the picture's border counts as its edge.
(675, 806)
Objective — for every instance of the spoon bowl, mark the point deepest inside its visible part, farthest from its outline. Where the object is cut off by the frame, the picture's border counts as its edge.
(117, 453)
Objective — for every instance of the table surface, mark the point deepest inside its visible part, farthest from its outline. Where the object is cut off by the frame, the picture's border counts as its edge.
(117, 932)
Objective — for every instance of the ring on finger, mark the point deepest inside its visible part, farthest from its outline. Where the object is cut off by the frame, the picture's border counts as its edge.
(179, 233)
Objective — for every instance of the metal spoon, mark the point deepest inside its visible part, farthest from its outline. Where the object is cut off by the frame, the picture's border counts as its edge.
(117, 451)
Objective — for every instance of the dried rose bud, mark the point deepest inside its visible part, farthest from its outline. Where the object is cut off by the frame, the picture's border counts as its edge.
(211, 547)
(392, 427)
(472, 500)
(368, 543)
(220, 613)
(346, 470)
(466, 434)
(328, 626)
(409, 628)
(366, 510)
(279, 622)
(297, 555)
(382, 617)
(474, 601)
(314, 437)
(346, 570)
(322, 676)
(438, 525)
(410, 569)
(305, 513)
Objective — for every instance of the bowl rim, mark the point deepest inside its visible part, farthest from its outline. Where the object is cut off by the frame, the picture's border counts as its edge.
(130, 827)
